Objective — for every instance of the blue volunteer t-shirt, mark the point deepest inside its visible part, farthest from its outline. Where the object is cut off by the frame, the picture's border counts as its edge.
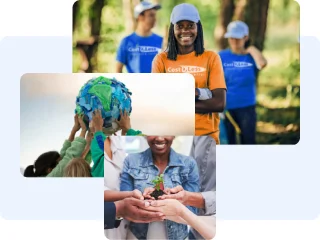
(137, 52)
(240, 75)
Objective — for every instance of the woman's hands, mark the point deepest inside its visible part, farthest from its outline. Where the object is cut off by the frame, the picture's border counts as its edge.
(124, 122)
(169, 207)
(147, 191)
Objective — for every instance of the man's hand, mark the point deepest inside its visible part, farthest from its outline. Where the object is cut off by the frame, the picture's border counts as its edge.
(132, 210)
(177, 193)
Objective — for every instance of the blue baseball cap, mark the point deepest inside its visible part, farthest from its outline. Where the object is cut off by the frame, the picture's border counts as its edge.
(237, 29)
(184, 11)
(143, 6)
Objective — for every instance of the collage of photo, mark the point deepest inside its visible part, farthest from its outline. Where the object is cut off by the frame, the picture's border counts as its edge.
(156, 87)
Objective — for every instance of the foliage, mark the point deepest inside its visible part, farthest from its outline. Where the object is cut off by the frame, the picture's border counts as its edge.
(157, 181)
(279, 83)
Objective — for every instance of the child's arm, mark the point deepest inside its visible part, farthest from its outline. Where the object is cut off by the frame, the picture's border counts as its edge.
(74, 130)
(97, 145)
(125, 125)
(72, 152)
(86, 155)
(76, 149)
(97, 154)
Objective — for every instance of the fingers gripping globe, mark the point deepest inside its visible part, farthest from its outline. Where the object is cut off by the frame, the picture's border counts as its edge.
(107, 95)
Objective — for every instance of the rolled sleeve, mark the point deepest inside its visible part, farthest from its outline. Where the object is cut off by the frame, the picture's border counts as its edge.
(210, 202)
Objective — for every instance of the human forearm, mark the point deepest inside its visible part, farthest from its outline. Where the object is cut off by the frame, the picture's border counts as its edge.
(209, 106)
(72, 134)
(194, 199)
(112, 196)
(257, 56)
(205, 230)
(215, 104)
(119, 67)
(86, 151)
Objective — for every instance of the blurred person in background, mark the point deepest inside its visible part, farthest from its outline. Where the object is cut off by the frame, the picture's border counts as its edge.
(241, 63)
(137, 50)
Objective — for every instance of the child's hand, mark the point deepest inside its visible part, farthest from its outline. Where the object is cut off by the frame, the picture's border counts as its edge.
(124, 122)
(97, 121)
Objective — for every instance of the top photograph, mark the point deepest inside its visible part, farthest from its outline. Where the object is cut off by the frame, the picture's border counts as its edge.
(244, 56)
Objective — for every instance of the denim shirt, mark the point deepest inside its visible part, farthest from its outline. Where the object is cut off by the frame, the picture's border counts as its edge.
(138, 173)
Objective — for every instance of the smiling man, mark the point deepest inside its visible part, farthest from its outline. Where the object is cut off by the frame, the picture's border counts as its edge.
(137, 50)
(186, 54)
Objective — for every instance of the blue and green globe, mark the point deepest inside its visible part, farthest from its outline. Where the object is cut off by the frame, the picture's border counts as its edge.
(107, 95)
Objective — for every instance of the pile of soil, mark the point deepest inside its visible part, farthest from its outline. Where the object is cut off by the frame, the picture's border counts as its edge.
(157, 193)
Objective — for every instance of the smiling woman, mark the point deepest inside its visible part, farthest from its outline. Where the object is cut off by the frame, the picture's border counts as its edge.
(186, 54)
(160, 167)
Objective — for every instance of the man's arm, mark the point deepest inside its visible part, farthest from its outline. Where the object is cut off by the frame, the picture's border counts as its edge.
(119, 67)
(215, 104)
(194, 199)
(204, 200)
(109, 215)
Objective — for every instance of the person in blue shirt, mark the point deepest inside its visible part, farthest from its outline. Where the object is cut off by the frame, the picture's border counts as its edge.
(139, 171)
(241, 64)
(137, 50)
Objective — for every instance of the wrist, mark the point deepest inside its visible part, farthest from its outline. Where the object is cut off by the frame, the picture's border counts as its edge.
(98, 129)
(119, 207)
(187, 197)
(74, 130)
(83, 133)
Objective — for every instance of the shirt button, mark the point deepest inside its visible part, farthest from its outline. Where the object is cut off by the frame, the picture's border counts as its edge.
(171, 226)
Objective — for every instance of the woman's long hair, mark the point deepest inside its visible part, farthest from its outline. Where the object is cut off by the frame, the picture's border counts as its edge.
(172, 47)
(45, 161)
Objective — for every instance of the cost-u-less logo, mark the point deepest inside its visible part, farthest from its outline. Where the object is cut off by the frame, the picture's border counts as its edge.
(238, 64)
(144, 49)
(186, 69)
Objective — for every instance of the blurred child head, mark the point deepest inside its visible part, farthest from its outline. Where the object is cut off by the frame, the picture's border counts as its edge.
(77, 167)
(43, 165)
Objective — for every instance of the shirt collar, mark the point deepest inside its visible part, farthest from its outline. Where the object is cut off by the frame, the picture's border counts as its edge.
(175, 159)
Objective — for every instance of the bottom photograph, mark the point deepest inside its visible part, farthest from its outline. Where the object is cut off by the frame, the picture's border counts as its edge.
(159, 187)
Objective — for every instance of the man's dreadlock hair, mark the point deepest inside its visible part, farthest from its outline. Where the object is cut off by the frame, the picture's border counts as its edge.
(172, 48)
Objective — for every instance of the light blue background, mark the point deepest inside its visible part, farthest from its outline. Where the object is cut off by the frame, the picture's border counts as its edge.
(253, 182)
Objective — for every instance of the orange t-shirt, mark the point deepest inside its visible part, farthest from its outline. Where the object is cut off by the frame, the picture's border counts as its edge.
(208, 73)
